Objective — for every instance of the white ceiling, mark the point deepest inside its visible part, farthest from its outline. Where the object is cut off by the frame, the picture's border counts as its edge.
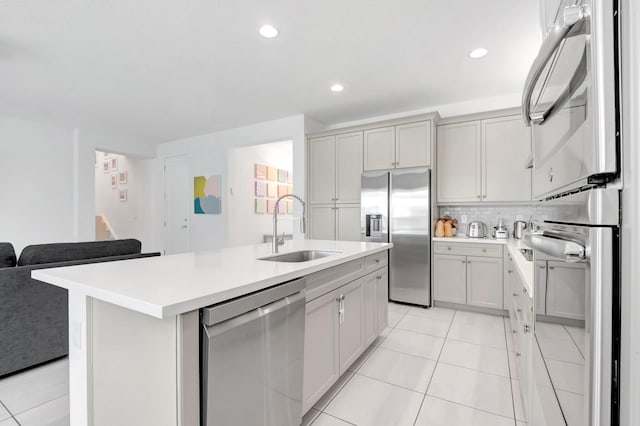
(159, 70)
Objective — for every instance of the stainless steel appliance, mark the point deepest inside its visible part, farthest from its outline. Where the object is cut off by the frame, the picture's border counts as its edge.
(476, 229)
(396, 207)
(576, 305)
(252, 358)
(500, 231)
(570, 100)
(518, 228)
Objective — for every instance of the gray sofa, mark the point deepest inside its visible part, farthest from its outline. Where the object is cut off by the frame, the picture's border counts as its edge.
(33, 314)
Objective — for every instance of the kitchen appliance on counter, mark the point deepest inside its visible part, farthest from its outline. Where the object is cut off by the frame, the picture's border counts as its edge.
(500, 231)
(476, 229)
(396, 208)
(571, 101)
(519, 227)
(252, 358)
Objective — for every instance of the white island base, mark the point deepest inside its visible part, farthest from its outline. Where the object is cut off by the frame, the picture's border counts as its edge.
(134, 324)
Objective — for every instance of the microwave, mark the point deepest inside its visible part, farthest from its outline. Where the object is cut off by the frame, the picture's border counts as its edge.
(571, 101)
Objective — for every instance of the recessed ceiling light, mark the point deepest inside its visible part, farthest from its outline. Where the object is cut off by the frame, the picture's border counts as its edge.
(478, 53)
(267, 31)
(337, 87)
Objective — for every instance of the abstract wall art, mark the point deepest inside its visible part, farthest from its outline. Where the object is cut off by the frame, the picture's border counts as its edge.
(207, 194)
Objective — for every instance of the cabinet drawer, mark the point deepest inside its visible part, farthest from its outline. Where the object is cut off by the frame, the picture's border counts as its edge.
(376, 261)
(325, 281)
(468, 249)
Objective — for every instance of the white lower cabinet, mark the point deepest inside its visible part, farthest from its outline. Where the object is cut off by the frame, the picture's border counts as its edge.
(469, 274)
(340, 325)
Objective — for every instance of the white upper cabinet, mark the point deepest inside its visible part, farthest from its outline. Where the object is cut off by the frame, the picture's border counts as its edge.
(379, 149)
(505, 150)
(484, 161)
(413, 144)
(335, 166)
(348, 167)
(322, 169)
(404, 145)
(458, 162)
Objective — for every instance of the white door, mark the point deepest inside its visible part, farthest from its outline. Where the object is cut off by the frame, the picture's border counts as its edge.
(178, 203)
(348, 167)
(370, 290)
(322, 169)
(506, 147)
(323, 222)
(348, 223)
(413, 144)
(459, 161)
(379, 149)
(450, 278)
(484, 282)
(352, 323)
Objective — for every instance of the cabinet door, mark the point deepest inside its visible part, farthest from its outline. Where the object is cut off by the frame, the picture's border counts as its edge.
(459, 160)
(506, 146)
(540, 281)
(484, 282)
(348, 167)
(566, 290)
(348, 223)
(370, 290)
(321, 348)
(323, 222)
(450, 278)
(379, 148)
(322, 169)
(382, 299)
(351, 323)
(413, 144)
(507, 277)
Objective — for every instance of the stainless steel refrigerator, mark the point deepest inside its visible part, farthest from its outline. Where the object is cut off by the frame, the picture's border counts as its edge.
(396, 208)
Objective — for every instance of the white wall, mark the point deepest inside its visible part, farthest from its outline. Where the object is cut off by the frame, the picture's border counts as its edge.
(127, 219)
(207, 155)
(245, 226)
(47, 190)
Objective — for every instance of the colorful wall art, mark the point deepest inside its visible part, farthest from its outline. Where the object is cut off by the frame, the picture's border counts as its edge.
(207, 194)
(272, 183)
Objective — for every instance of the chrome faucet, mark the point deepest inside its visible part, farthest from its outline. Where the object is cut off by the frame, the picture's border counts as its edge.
(303, 226)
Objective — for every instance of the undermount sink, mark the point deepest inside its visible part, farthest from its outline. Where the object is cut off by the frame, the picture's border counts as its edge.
(300, 256)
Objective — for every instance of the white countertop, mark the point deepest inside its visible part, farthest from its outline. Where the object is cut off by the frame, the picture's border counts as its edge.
(523, 266)
(170, 285)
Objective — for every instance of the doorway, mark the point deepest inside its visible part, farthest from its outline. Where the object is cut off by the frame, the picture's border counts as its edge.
(177, 205)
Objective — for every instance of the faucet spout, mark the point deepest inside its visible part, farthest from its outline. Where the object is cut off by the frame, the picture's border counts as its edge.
(303, 225)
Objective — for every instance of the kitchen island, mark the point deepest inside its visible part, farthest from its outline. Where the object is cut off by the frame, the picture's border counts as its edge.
(134, 325)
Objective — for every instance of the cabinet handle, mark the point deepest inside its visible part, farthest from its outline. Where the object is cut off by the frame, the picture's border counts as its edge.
(524, 290)
(517, 353)
(542, 266)
(379, 277)
(463, 261)
(514, 331)
(449, 248)
(515, 294)
(526, 328)
(479, 197)
(377, 260)
(468, 261)
(519, 310)
(484, 250)
(552, 267)
(509, 271)
(484, 196)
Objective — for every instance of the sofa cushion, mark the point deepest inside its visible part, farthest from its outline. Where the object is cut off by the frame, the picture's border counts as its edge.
(62, 252)
(7, 255)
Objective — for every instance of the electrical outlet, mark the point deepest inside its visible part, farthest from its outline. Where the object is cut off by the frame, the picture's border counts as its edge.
(463, 218)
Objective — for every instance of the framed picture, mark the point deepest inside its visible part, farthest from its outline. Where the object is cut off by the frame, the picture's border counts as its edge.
(207, 194)
(122, 177)
(114, 181)
(261, 171)
(261, 205)
(261, 189)
(272, 190)
(122, 194)
(114, 164)
(106, 155)
(106, 166)
(282, 175)
(272, 174)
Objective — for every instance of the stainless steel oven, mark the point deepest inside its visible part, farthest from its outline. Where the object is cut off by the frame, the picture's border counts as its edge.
(577, 311)
(570, 101)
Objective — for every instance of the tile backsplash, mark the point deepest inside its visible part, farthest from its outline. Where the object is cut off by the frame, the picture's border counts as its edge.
(490, 214)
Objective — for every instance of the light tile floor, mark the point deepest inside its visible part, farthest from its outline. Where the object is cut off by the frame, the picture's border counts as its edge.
(431, 367)
(37, 397)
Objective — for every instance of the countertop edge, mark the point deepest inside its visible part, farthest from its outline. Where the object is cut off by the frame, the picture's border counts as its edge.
(183, 306)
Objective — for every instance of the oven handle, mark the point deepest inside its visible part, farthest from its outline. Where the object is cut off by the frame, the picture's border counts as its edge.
(572, 17)
(570, 251)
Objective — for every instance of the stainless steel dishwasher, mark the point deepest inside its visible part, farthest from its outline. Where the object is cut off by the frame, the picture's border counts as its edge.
(252, 358)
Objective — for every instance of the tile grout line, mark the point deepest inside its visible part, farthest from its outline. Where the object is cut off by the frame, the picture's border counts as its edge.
(10, 413)
(335, 417)
(434, 368)
(573, 341)
(472, 407)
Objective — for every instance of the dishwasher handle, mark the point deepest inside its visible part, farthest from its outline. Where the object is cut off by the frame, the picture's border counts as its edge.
(221, 327)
